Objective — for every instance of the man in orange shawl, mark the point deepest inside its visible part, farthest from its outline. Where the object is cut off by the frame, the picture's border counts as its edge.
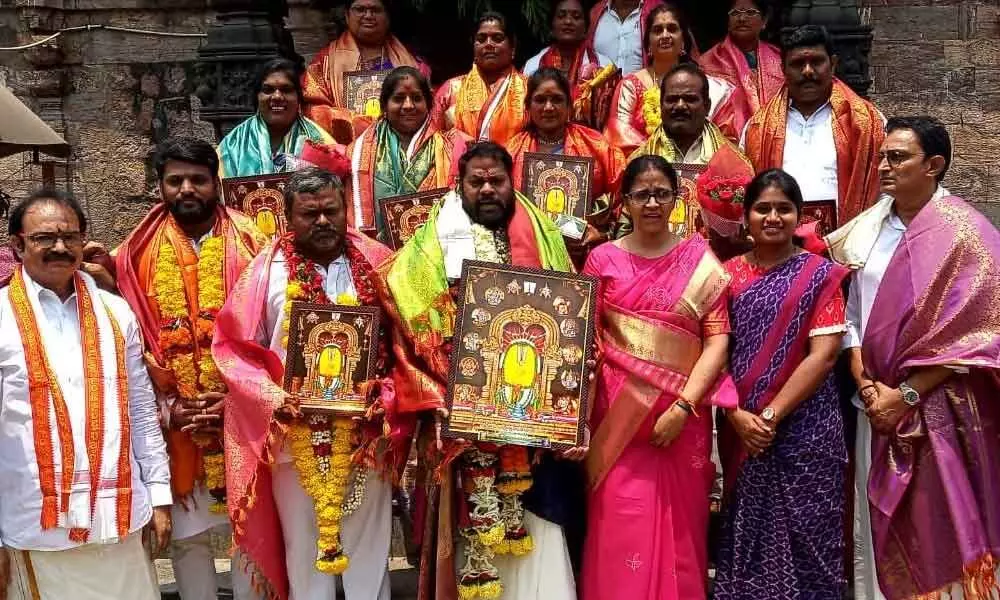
(297, 523)
(175, 269)
(366, 45)
(752, 66)
(819, 131)
(488, 102)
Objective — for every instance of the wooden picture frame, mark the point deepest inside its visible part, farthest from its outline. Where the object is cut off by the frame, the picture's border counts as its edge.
(519, 358)
(824, 211)
(686, 216)
(560, 186)
(332, 349)
(403, 215)
(362, 90)
(260, 197)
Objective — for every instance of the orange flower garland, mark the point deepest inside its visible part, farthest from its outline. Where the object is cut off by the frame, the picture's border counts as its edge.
(187, 345)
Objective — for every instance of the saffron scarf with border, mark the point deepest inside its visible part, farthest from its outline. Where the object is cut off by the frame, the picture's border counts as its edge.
(483, 112)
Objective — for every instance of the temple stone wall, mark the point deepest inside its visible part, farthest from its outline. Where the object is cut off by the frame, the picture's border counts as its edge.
(113, 95)
(943, 58)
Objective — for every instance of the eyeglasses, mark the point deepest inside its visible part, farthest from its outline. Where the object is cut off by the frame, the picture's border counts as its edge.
(896, 157)
(659, 195)
(369, 10)
(46, 240)
(749, 13)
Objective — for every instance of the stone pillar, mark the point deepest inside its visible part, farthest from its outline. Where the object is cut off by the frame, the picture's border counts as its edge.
(246, 34)
(852, 39)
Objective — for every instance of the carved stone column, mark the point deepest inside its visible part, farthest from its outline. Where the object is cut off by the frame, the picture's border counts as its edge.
(851, 38)
(246, 34)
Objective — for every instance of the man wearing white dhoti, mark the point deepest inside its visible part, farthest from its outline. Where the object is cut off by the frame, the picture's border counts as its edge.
(83, 464)
(301, 486)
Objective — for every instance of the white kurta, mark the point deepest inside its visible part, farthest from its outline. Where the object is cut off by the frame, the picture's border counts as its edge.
(367, 533)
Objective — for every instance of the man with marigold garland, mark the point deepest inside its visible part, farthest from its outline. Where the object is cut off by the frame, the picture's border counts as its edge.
(506, 551)
(175, 270)
(307, 484)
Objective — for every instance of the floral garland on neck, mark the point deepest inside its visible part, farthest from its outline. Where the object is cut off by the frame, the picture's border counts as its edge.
(493, 481)
(187, 345)
(651, 109)
(323, 445)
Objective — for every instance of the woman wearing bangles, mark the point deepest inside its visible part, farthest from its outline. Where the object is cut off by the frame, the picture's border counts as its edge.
(783, 449)
(663, 325)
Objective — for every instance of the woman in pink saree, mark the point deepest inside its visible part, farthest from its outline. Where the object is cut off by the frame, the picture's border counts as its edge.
(663, 335)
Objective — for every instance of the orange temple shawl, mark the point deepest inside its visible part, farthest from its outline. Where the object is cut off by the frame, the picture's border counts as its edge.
(754, 87)
(135, 263)
(857, 132)
(609, 162)
(362, 197)
(323, 84)
(481, 111)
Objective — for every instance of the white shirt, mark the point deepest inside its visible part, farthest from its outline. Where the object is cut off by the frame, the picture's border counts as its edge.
(21, 499)
(866, 281)
(811, 154)
(620, 39)
(534, 62)
(337, 280)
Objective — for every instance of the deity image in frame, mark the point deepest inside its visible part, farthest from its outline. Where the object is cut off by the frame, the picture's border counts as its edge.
(529, 374)
(560, 186)
(362, 90)
(260, 197)
(404, 215)
(332, 350)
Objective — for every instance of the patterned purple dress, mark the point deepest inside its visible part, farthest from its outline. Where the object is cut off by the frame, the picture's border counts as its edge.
(782, 534)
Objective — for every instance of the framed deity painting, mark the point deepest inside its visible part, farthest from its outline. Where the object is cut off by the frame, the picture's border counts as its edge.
(404, 215)
(686, 216)
(560, 186)
(261, 197)
(518, 365)
(362, 90)
(332, 350)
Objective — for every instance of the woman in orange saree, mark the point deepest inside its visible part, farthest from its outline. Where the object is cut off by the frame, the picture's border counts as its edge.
(550, 131)
(635, 107)
(664, 325)
(752, 66)
(402, 153)
(487, 103)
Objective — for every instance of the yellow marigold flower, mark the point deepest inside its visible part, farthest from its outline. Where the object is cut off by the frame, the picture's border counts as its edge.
(347, 299)
(468, 591)
(293, 291)
(490, 590)
(651, 109)
(492, 536)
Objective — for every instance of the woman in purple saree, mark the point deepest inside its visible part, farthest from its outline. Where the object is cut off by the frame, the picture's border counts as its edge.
(783, 449)
(663, 326)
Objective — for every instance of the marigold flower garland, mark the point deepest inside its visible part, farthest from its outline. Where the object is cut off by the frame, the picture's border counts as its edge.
(187, 346)
(651, 109)
(323, 445)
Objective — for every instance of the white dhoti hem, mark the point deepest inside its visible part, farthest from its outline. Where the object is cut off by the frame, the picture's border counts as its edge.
(191, 551)
(90, 572)
(865, 577)
(366, 535)
(543, 574)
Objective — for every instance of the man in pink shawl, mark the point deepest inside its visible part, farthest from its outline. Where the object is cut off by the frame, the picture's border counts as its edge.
(752, 66)
(290, 497)
(924, 306)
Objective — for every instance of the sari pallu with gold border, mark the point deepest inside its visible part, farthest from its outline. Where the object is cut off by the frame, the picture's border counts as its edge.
(935, 482)
(485, 112)
(653, 349)
(754, 87)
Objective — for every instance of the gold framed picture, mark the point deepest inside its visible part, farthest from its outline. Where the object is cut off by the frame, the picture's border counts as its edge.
(824, 211)
(560, 186)
(519, 359)
(332, 350)
(362, 90)
(404, 215)
(686, 216)
(260, 197)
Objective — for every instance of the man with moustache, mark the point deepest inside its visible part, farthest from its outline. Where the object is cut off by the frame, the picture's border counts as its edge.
(819, 131)
(688, 138)
(282, 514)
(924, 343)
(482, 219)
(83, 465)
(176, 269)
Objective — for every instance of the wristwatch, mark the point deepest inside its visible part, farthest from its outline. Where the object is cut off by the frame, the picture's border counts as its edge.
(767, 414)
(910, 395)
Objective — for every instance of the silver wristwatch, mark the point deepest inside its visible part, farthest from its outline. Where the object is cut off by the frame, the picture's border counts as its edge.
(910, 395)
